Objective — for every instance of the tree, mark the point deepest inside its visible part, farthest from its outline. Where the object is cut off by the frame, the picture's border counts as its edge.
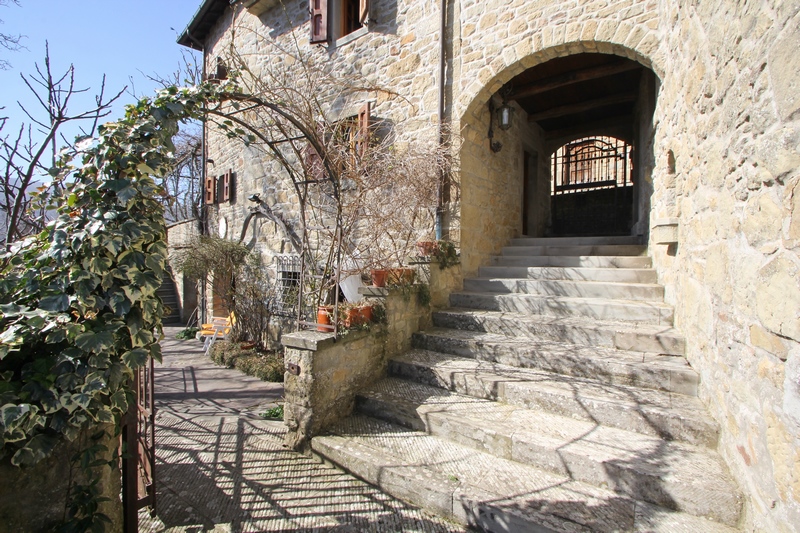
(29, 156)
(8, 41)
(182, 183)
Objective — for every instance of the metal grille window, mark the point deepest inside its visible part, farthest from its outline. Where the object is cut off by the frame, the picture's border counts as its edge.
(287, 284)
(591, 163)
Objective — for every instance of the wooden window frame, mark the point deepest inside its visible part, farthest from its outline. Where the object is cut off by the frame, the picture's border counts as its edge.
(329, 19)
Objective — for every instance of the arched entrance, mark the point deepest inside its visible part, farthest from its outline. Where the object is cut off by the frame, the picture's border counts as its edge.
(592, 113)
(588, 118)
(507, 188)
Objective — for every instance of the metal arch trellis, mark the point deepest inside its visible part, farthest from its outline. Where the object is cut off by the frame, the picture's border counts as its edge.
(304, 185)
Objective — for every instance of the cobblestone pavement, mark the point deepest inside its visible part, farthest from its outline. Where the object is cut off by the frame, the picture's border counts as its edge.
(221, 467)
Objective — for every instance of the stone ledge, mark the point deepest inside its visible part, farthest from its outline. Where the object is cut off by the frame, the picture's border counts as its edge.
(665, 231)
(317, 340)
(308, 340)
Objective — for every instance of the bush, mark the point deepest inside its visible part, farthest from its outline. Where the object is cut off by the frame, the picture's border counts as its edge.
(186, 334)
(266, 366)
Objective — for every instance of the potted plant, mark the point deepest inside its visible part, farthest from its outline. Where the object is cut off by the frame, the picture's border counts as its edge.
(324, 318)
(379, 277)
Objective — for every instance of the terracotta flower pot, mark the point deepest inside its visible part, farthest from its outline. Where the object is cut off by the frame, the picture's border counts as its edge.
(366, 313)
(379, 277)
(325, 318)
(356, 316)
(401, 276)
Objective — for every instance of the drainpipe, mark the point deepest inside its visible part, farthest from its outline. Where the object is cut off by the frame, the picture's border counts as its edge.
(442, 69)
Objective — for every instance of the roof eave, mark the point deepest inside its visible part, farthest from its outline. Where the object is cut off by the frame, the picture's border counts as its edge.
(198, 28)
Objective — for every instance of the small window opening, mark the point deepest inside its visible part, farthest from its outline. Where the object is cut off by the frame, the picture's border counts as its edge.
(287, 285)
(351, 16)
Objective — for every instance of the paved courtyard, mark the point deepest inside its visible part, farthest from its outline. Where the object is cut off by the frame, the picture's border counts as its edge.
(222, 467)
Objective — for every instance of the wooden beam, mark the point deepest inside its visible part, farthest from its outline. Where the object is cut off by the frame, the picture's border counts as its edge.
(591, 128)
(580, 107)
(571, 77)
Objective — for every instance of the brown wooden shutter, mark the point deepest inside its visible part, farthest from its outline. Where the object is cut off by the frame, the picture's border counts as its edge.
(319, 21)
(362, 141)
(313, 163)
(211, 190)
(227, 186)
(363, 12)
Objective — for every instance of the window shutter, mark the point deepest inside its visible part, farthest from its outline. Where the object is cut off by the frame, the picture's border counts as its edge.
(211, 189)
(362, 141)
(313, 162)
(319, 21)
(363, 12)
(227, 186)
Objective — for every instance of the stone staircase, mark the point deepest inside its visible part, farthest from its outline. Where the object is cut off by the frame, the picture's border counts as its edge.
(552, 396)
(168, 293)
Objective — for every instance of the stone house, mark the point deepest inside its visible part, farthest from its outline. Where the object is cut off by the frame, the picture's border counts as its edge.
(646, 188)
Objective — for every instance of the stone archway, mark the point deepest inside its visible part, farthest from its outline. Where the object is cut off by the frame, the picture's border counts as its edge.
(562, 95)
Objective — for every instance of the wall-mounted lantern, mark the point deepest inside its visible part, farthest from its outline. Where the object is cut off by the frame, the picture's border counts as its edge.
(504, 114)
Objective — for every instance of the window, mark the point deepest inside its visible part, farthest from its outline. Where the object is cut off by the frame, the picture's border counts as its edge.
(219, 189)
(348, 141)
(333, 19)
(287, 285)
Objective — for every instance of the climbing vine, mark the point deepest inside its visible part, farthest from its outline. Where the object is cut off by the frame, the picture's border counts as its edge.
(78, 306)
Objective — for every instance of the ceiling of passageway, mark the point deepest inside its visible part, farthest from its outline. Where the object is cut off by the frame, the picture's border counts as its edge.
(582, 90)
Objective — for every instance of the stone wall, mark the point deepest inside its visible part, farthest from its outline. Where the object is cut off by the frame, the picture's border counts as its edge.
(34, 499)
(729, 118)
(179, 236)
(331, 370)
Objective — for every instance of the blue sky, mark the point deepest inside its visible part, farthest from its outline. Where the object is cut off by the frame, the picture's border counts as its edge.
(122, 39)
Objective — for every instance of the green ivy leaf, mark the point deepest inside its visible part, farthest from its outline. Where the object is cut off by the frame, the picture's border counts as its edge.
(34, 451)
(136, 358)
(93, 341)
(55, 303)
(119, 401)
(99, 265)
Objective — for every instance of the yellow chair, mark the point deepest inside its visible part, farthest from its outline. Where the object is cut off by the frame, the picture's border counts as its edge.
(218, 328)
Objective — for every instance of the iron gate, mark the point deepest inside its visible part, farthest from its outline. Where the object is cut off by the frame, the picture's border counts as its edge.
(592, 191)
(139, 450)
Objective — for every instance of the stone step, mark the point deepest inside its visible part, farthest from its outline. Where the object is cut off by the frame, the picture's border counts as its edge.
(577, 289)
(588, 261)
(615, 367)
(657, 413)
(670, 474)
(608, 334)
(564, 306)
(482, 491)
(577, 241)
(614, 275)
(605, 249)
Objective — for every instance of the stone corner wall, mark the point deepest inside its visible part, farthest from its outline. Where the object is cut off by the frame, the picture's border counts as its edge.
(33, 499)
(331, 370)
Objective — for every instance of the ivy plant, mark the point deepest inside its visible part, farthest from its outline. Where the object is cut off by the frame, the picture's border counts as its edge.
(79, 312)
